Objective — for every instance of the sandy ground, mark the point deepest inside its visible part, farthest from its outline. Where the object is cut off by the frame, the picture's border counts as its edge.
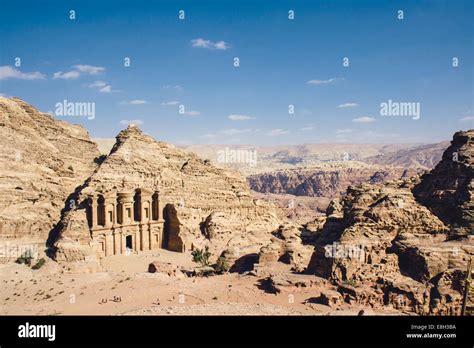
(125, 287)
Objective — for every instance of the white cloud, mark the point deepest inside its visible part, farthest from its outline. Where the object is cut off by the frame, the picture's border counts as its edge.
(201, 43)
(89, 69)
(240, 117)
(78, 70)
(8, 72)
(70, 75)
(106, 89)
(192, 113)
(137, 102)
(131, 122)
(101, 86)
(347, 105)
(343, 131)
(98, 84)
(277, 132)
(175, 87)
(233, 131)
(467, 119)
(363, 119)
(170, 103)
(306, 129)
(323, 82)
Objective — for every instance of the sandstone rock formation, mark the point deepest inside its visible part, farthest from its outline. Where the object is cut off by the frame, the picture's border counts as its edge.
(42, 162)
(165, 268)
(329, 180)
(392, 244)
(201, 204)
(448, 190)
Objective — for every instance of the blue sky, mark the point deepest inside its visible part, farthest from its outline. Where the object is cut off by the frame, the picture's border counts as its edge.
(282, 62)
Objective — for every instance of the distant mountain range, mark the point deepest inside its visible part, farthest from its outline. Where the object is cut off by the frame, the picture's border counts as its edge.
(269, 158)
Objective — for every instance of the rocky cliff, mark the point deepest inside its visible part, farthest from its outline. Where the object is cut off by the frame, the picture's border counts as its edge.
(393, 243)
(330, 180)
(210, 205)
(448, 190)
(42, 162)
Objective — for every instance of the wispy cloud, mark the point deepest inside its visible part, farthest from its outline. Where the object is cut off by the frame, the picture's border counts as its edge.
(137, 102)
(202, 43)
(240, 117)
(343, 131)
(131, 122)
(364, 119)
(173, 87)
(192, 113)
(70, 75)
(170, 103)
(467, 119)
(8, 72)
(78, 70)
(306, 129)
(324, 82)
(101, 86)
(277, 132)
(348, 105)
(233, 131)
(89, 69)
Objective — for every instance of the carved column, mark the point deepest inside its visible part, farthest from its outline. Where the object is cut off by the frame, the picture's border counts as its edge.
(109, 244)
(92, 211)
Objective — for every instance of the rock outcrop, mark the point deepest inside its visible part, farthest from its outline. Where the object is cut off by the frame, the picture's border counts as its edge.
(396, 237)
(331, 180)
(448, 190)
(42, 162)
(204, 205)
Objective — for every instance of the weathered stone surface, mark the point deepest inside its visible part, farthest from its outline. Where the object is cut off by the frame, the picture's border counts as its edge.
(165, 268)
(448, 190)
(446, 296)
(330, 298)
(287, 247)
(202, 204)
(384, 234)
(331, 180)
(43, 160)
(290, 282)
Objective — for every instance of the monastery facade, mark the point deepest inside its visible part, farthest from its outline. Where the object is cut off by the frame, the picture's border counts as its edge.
(121, 222)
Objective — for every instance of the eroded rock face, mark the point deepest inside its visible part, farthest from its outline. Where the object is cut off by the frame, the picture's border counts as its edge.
(204, 205)
(385, 236)
(43, 161)
(331, 180)
(448, 190)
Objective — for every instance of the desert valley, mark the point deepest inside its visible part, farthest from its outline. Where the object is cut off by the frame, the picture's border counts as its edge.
(134, 225)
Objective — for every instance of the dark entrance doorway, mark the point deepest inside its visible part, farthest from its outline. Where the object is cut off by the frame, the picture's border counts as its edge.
(128, 242)
(171, 239)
